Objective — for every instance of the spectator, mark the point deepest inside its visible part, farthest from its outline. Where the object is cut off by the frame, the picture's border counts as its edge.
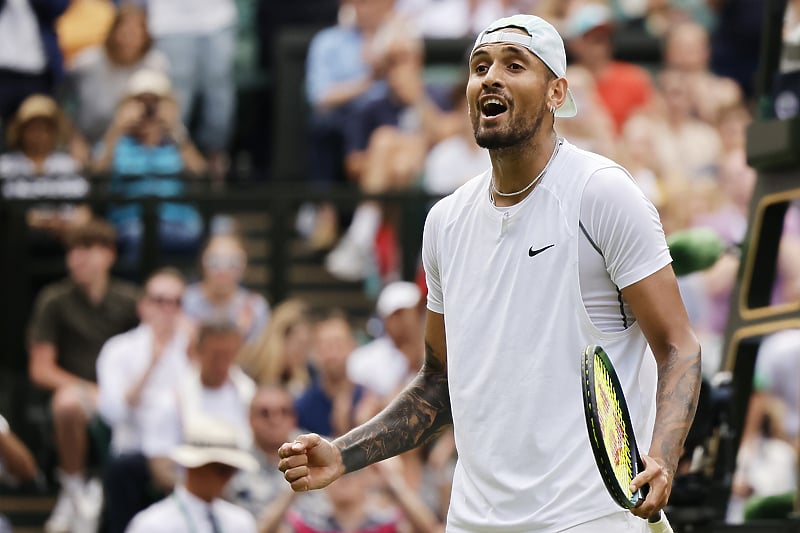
(214, 387)
(84, 24)
(220, 293)
(383, 365)
(386, 145)
(622, 87)
(99, 77)
(329, 404)
(35, 168)
(199, 39)
(30, 60)
(280, 354)
(147, 150)
(16, 464)
(735, 50)
(456, 158)
(264, 492)
(135, 371)
(687, 50)
(341, 74)
(777, 373)
(71, 321)
(211, 454)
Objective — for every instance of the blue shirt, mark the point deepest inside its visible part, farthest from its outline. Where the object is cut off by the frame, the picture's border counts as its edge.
(314, 408)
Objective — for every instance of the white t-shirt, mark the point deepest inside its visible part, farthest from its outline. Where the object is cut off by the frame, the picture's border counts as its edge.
(171, 17)
(510, 287)
(378, 366)
(123, 360)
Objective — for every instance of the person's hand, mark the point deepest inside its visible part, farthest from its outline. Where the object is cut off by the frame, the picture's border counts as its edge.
(659, 477)
(310, 462)
(128, 115)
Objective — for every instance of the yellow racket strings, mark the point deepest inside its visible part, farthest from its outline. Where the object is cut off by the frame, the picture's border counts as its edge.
(612, 426)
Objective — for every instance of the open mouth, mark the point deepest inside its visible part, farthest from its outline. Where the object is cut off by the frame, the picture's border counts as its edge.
(492, 106)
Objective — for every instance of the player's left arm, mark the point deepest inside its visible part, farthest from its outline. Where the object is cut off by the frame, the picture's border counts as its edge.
(658, 307)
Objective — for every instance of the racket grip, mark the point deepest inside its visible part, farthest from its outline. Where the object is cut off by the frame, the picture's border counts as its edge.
(658, 523)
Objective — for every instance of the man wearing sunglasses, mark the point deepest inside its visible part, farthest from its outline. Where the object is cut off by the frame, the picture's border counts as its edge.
(135, 370)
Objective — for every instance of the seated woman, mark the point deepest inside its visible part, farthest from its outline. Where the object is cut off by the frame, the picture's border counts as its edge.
(220, 292)
(148, 153)
(35, 168)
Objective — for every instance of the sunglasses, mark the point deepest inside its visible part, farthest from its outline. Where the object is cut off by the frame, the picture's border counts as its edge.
(223, 262)
(267, 412)
(164, 301)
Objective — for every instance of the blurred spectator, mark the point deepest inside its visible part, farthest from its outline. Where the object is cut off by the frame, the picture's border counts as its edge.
(784, 93)
(264, 492)
(636, 150)
(99, 77)
(135, 371)
(220, 293)
(386, 145)
(736, 40)
(594, 130)
(30, 60)
(687, 50)
(17, 464)
(328, 405)
(383, 365)
(455, 159)
(71, 321)
(340, 73)
(451, 19)
(147, 150)
(280, 354)
(212, 453)
(36, 169)
(687, 147)
(214, 387)
(199, 39)
(732, 122)
(777, 374)
(622, 87)
(84, 24)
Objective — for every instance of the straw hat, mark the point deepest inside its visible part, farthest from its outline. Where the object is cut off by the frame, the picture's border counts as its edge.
(149, 81)
(35, 106)
(210, 440)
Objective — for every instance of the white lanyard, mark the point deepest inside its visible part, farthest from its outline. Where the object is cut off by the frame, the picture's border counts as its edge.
(187, 517)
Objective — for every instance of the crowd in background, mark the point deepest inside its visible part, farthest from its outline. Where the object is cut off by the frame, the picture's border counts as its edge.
(143, 93)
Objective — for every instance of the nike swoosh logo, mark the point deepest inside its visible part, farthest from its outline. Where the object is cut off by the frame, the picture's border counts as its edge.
(533, 252)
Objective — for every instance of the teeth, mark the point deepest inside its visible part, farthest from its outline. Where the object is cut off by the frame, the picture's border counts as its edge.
(493, 101)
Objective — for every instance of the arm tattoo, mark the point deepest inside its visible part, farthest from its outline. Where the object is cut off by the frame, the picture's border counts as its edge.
(415, 417)
(676, 402)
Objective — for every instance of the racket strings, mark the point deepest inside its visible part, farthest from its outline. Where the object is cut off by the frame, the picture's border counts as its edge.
(613, 431)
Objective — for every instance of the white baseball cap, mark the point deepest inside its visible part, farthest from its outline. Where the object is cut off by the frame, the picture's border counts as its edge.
(209, 440)
(397, 295)
(542, 40)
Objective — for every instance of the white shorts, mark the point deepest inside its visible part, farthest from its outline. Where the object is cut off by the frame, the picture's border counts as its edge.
(622, 522)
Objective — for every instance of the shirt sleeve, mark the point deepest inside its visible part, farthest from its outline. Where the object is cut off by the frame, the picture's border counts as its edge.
(43, 326)
(624, 225)
(113, 380)
(430, 260)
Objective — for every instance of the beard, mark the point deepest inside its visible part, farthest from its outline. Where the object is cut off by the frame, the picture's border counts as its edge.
(516, 133)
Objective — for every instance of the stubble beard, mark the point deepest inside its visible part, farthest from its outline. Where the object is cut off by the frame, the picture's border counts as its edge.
(515, 134)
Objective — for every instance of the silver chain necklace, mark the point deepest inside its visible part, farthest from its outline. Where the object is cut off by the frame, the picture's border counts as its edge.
(533, 182)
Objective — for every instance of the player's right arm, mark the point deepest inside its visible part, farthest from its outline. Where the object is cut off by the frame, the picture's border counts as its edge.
(418, 414)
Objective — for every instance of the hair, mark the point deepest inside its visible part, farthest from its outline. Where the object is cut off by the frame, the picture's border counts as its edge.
(127, 9)
(216, 326)
(169, 271)
(95, 232)
(264, 359)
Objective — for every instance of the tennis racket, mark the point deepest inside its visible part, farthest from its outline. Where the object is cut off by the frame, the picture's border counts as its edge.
(611, 433)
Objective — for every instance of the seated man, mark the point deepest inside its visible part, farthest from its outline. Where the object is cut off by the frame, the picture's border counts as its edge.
(71, 321)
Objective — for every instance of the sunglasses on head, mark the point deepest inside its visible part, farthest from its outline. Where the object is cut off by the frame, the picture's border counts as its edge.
(223, 262)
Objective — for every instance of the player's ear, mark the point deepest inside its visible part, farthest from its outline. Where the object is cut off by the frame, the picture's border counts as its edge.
(556, 93)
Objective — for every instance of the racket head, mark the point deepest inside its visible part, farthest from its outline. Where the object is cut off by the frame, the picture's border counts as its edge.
(609, 427)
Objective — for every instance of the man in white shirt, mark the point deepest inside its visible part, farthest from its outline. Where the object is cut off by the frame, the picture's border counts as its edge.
(136, 370)
(211, 455)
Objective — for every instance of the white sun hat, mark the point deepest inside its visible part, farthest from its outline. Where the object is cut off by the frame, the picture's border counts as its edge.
(210, 440)
(543, 40)
(397, 295)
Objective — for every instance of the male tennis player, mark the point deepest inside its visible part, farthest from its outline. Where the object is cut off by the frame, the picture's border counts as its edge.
(550, 250)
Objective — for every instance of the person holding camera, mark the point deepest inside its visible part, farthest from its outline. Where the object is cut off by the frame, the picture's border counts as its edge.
(148, 152)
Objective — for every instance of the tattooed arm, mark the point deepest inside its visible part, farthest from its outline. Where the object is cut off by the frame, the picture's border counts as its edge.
(415, 417)
(657, 305)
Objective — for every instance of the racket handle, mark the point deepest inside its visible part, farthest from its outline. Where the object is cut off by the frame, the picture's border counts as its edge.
(658, 523)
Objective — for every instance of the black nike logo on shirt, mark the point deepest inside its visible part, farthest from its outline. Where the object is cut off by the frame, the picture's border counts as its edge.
(533, 252)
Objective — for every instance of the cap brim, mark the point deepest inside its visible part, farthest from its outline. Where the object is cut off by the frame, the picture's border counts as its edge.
(568, 108)
(191, 457)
